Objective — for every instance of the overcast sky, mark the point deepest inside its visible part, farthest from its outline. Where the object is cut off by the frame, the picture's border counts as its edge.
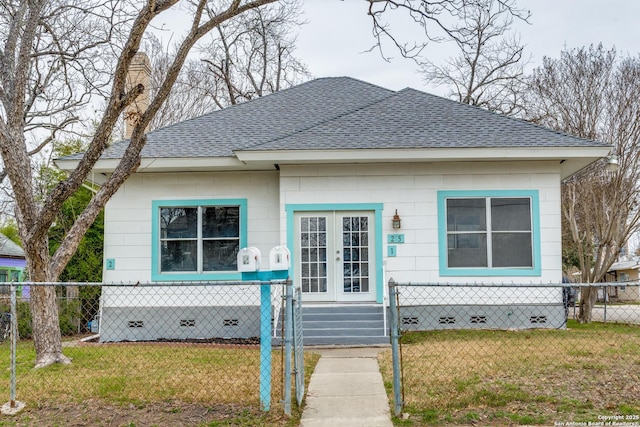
(338, 33)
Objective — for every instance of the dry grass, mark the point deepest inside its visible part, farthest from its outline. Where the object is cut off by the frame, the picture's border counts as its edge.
(136, 376)
(520, 377)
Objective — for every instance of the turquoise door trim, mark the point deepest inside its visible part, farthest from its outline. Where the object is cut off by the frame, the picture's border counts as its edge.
(156, 275)
(536, 270)
(291, 209)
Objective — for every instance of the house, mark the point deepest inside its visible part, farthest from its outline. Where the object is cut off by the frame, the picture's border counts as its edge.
(624, 275)
(361, 183)
(12, 262)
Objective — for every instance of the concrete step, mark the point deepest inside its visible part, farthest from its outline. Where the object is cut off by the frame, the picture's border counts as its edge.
(378, 340)
(344, 324)
(323, 317)
(342, 332)
(344, 308)
(347, 324)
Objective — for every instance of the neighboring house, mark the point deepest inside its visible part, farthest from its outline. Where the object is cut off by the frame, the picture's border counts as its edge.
(624, 274)
(12, 262)
(323, 168)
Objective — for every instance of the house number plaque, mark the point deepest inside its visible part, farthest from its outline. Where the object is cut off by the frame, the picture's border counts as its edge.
(395, 238)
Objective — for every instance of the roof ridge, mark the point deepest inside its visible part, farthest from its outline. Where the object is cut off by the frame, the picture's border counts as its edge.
(329, 119)
(278, 93)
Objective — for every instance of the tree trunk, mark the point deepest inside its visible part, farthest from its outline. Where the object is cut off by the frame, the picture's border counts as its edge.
(44, 310)
(588, 298)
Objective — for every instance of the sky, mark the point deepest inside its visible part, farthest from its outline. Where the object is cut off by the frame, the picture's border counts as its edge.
(338, 33)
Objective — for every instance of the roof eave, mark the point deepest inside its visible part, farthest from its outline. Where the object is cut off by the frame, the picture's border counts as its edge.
(571, 159)
(169, 164)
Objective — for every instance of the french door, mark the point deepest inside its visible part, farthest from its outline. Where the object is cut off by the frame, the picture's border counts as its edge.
(335, 255)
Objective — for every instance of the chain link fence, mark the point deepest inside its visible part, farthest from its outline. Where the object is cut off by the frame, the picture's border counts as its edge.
(207, 343)
(512, 354)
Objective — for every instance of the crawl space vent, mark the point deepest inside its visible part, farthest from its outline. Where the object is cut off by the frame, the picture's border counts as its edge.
(538, 319)
(478, 319)
(447, 320)
(230, 322)
(410, 321)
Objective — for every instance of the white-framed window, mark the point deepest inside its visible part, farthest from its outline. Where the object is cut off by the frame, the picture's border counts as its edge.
(487, 234)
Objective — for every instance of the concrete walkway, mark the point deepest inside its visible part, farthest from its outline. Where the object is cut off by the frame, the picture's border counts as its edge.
(346, 389)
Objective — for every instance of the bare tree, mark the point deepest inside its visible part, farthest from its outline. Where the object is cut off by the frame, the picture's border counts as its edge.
(43, 78)
(253, 56)
(489, 69)
(246, 58)
(189, 96)
(438, 19)
(591, 93)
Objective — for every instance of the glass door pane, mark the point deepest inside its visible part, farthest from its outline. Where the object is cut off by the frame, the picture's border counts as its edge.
(355, 245)
(313, 254)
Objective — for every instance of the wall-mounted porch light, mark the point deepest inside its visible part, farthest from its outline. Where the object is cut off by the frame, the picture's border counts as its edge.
(612, 163)
(396, 221)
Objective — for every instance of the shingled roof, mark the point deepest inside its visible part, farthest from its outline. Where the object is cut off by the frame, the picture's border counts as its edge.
(9, 249)
(260, 121)
(344, 113)
(413, 119)
(341, 119)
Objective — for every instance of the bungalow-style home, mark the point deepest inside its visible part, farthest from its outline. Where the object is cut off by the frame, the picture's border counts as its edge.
(625, 278)
(362, 184)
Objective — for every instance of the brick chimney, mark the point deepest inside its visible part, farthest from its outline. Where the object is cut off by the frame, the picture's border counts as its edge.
(139, 73)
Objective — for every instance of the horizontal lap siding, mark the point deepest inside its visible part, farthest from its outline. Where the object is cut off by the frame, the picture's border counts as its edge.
(128, 214)
(412, 188)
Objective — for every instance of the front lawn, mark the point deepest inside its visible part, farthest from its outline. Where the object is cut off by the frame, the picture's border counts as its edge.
(533, 377)
(146, 384)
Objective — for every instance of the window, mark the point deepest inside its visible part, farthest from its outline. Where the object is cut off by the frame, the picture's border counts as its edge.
(4, 289)
(197, 240)
(492, 234)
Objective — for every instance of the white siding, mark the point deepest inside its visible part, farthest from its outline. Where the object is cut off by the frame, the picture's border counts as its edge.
(128, 214)
(412, 188)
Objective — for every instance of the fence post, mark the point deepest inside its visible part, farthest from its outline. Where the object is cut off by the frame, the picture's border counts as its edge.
(13, 406)
(288, 340)
(298, 346)
(606, 296)
(395, 347)
(265, 346)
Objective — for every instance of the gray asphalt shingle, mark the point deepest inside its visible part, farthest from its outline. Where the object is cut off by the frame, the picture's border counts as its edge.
(414, 119)
(258, 121)
(345, 113)
(10, 249)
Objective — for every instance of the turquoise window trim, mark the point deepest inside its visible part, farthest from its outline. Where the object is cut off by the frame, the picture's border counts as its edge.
(156, 276)
(445, 270)
(291, 209)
